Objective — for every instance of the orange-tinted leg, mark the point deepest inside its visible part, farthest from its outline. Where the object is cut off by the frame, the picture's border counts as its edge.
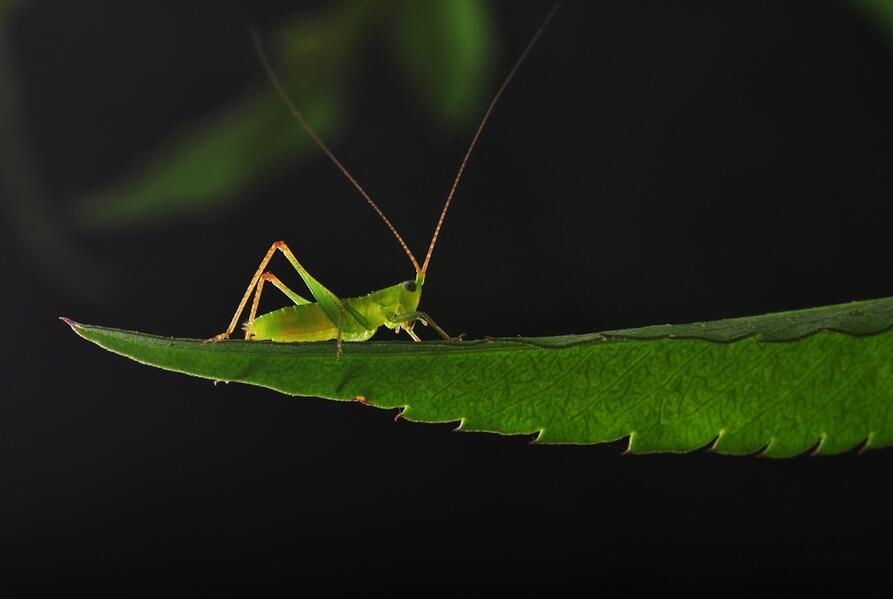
(270, 277)
(255, 281)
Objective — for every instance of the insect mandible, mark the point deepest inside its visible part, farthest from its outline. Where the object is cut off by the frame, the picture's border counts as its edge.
(353, 318)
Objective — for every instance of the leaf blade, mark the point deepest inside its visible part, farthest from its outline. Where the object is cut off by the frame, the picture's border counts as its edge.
(782, 384)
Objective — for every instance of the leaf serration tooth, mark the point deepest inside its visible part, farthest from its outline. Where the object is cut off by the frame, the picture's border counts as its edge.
(817, 448)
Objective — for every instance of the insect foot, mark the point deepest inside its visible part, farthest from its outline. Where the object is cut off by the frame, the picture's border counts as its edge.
(217, 338)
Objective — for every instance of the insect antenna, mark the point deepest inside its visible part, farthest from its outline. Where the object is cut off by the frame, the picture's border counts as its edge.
(480, 128)
(280, 89)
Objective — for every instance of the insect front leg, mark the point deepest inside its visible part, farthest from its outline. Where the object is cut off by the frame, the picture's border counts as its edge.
(425, 319)
(408, 328)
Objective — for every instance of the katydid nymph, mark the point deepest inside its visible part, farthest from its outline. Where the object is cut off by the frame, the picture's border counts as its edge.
(355, 318)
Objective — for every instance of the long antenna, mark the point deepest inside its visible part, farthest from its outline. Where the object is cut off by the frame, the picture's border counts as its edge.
(480, 128)
(274, 79)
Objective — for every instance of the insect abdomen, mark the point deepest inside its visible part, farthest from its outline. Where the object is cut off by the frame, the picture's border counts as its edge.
(302, 323)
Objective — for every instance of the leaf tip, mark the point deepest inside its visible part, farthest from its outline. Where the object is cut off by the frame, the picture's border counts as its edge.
(74, 325)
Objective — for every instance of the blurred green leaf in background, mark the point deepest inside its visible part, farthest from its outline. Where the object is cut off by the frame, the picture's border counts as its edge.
(446, 49)
(879, 13)
(443, 46)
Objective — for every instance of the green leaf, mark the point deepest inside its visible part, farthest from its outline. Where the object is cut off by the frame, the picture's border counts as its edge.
(445, 48)
(781, 383)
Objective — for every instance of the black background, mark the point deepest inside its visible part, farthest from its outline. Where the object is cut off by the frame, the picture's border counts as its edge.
(653, 162)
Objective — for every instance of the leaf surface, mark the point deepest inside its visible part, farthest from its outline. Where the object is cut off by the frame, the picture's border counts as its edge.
(780, 384)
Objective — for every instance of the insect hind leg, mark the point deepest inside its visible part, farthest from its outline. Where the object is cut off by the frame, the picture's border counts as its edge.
(297, 299)
(251, 286)
(269, 277)
(257, 284)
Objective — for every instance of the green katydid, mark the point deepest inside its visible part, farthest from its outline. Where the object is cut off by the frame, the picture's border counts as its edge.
(355, 318)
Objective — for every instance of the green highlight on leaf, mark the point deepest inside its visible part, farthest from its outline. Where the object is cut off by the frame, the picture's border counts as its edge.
(781, 384)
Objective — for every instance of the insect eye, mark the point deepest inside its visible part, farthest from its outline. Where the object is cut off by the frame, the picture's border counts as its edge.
(409, 286)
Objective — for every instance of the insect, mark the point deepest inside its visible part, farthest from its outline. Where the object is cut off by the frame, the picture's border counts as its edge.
(354, 318)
